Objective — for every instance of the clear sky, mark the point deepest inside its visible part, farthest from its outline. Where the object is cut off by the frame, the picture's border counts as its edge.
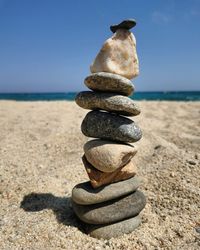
(48, 45)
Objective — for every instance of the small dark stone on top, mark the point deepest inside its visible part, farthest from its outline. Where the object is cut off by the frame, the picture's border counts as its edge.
(126, 24)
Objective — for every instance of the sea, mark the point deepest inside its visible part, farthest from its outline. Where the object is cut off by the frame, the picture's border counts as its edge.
(70, 96)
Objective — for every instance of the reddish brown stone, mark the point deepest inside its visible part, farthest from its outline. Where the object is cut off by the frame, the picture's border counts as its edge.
(98, 178)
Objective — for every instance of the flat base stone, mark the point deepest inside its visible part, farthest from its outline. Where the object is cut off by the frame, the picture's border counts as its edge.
(113, 230)
(111, 211)
(85, 194)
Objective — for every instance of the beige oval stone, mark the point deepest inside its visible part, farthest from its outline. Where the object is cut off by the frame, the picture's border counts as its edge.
(118, 55)
(107, 156)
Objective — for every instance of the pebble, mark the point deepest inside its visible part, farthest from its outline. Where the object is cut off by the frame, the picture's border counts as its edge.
(110, 102)
(197, 229)
(104, 125)
(109, 82)
(118, 55)
(115, 229)
(107, 156)
(126, 24)
(111, 211)
(85, 194)
(98, 178)
(191, 162)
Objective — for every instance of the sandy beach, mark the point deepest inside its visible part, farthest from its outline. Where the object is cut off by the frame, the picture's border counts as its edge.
(40, 161)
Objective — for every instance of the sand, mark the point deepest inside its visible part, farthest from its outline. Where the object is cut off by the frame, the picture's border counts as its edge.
(40, 162)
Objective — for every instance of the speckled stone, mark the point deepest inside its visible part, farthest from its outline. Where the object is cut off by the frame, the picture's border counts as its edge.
(99, 178)
(111, 211)
(85, 194)
(104, 125)
(126, 24)
(110, 102)
(113, 230)
(108, 82)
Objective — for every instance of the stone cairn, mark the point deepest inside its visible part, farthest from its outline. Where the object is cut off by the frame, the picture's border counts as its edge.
(109, 204)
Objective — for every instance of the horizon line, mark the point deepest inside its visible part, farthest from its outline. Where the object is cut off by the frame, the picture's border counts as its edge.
(72, 92)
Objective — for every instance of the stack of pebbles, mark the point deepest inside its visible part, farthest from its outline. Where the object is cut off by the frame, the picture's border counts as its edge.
(109, 204)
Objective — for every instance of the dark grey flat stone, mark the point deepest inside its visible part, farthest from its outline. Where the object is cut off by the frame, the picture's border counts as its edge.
(109, 82)
(104, 125)
(85, 194)
(126, 24)
(110, 102)
(197, 229)
(113, 230)
(111, 211)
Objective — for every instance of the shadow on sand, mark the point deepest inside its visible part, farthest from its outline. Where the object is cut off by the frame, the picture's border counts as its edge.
(61, 206)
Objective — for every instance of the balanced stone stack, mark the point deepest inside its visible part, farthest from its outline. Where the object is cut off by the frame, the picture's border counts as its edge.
(109, 204)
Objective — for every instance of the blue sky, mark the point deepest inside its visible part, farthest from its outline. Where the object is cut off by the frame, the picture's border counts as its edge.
(48, 45)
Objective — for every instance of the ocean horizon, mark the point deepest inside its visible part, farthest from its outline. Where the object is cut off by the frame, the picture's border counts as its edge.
(70, 96)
